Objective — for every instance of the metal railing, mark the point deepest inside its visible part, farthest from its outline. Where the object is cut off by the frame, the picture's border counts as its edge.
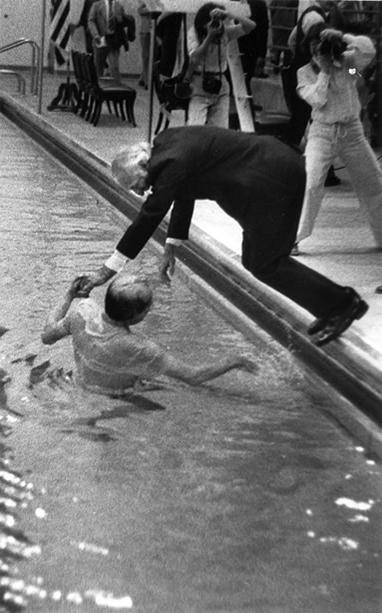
(35, 63)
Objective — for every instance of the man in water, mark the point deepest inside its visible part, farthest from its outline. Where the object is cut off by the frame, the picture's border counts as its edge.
(258, 181)
(109, 357)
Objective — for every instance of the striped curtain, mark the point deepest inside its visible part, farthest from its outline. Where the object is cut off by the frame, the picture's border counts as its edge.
(60, 29)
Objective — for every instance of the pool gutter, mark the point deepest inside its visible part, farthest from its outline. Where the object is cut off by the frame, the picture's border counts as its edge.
(349, 365)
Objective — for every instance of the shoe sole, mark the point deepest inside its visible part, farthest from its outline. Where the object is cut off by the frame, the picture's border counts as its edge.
(357, 313)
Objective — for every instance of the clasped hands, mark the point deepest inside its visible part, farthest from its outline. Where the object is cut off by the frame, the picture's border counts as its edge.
(82, 285)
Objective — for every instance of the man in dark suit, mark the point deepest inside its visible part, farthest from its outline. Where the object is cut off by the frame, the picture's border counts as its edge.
(258, 181)
(107, 21)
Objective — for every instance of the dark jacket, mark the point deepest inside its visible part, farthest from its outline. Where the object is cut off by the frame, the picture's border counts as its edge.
(252, 178)
(124, 25)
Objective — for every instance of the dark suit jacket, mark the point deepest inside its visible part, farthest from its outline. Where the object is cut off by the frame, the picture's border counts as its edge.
(253, 178)
(97, 24)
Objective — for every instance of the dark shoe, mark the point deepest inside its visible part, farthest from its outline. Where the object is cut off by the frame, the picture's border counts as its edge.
(142, 83)
(334, 325)
(295, 250)
(378, 290)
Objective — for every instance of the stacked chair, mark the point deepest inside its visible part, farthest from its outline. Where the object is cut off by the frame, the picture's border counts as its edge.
(93, 92)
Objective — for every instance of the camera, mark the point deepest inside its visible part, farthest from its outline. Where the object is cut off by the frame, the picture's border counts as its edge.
(216, 22)
(211, 83)
(332, 48)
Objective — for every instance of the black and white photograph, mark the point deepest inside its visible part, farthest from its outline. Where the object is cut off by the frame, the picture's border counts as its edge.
(191, 306)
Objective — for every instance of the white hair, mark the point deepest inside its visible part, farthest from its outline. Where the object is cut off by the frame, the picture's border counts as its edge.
(130, 164)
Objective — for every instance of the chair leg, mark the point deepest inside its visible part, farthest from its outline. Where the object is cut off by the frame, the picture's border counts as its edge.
(84, 105)
(95, 112)
(129, 111)
(79, 103)
(98, 114)
(130, 104)
(90, 108)
(159, 123)
(115, 109)
(108, 106)
(167, 123)
(120, 104)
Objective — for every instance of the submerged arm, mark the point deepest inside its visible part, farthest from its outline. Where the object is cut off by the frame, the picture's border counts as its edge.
(195, 375)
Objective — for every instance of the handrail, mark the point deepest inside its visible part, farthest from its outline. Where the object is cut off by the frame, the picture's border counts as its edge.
(35, 54)
(19, 77)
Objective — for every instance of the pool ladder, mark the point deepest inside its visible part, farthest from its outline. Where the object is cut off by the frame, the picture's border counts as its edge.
(35, 64)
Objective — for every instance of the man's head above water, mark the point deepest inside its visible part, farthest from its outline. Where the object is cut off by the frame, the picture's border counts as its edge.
(130, 167)
(128, 300)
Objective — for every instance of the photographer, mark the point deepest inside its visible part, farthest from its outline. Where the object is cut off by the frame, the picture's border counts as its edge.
(207, 44)
(329, 85)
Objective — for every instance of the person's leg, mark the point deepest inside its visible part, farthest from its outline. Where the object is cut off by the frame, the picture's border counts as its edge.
(319, 154)
(145, 54)
(113, 61)
(365, 174)
(271, 265)
(218, 112)
(199, 103)
(299, 110)
(100, 54)
(335, 307)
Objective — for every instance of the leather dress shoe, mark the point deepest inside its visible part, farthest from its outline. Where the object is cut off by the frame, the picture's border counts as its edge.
(378, 290)
(331, 327)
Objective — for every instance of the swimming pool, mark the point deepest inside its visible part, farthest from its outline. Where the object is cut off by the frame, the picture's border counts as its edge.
(238, 496)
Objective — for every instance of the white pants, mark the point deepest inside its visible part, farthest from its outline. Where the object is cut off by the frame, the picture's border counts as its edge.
(348, 141)
(211, 109)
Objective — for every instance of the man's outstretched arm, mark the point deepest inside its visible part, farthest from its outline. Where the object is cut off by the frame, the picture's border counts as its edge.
(196, 375)
(57, 324)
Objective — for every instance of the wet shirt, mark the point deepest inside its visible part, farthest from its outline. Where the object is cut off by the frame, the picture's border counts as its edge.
(108, 357)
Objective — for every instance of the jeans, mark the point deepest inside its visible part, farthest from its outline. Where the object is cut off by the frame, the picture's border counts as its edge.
(211, 109)
(347, 140)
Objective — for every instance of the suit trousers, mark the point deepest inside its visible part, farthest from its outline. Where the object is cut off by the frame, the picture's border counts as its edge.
(267, 242)
(111, 55)
(348, 141)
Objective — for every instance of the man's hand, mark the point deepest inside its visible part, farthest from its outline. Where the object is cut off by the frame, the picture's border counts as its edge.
(218, 13)
(167, 266)
(75, 290)
(332, 35)
(88, 282)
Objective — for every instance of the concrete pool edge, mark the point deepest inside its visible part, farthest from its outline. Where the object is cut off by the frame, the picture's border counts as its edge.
(349, 365)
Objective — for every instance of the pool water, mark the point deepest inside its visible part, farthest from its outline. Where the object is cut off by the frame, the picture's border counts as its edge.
(240, 495)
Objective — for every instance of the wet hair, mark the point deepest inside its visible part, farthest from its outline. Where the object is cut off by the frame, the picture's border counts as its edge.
(127, 166)
(203, 17)
(127, 298)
